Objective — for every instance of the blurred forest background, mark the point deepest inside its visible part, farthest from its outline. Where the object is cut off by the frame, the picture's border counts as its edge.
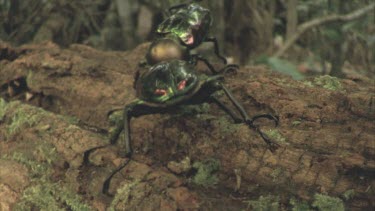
(297, 37)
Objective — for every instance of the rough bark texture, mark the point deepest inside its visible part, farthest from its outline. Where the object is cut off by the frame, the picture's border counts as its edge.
(326, 134)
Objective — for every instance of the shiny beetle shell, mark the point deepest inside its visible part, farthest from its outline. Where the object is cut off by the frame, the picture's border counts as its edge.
(166, 81)
(191, 24)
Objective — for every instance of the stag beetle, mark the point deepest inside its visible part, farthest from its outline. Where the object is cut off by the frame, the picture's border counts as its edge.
(169, 85)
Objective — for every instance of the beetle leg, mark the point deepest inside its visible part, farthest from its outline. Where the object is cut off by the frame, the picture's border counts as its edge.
(229, 68)
(249, 121)
(216, 45)
(176, 7)
(197, 57)
(107, 182)
(267, 116)
(235, 102)
(179, 6)
(273, 146)
(134, 109)
(112, 139)
(125, 141)
(229, 111)
(86, 154)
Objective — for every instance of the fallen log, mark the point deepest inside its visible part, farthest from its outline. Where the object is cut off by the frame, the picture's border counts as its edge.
(326, 127)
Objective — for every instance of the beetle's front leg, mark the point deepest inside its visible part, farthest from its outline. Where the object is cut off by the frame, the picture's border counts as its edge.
(243, 112)
(197, 57)
(172, 9)
(250, 121)
(216, 48)
(135, 109)
(125, 141)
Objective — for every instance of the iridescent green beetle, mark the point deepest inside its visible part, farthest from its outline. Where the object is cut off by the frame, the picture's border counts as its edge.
(167, 86)
(190, 23)
(185, 29)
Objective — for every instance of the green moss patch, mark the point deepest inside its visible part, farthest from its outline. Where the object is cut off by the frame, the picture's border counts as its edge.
(3, 108)
(22, 118)
(43, 193)
(50, 196)
(205, 175)
(227, 126)
(264, 203)
(326, 82)
(274, 134)
(299, 205)
(349, 194)
(123, 194)
(328, 203)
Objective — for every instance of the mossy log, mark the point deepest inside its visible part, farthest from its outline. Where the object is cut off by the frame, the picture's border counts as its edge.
(326, 132)
(42, 167)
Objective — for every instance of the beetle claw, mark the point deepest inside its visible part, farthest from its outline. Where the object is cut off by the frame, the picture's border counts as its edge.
(266, 116)
(230, 68)
(272, 145)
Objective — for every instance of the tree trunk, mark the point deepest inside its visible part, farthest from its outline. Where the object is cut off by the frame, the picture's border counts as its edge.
(291, 18)
(218, 25)
(250, 26)
(126, 10)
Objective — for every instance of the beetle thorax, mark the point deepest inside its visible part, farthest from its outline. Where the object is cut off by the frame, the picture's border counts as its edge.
(165, 49)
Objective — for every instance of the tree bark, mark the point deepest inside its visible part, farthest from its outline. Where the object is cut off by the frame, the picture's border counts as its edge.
(326, 137)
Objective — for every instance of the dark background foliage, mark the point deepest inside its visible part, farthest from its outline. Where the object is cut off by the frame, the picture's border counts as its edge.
(250, 31)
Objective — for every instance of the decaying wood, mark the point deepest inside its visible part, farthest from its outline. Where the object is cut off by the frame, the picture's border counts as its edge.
(326, 137)
(55, 136)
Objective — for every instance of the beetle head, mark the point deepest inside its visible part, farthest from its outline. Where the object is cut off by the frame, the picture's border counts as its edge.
(167, 81)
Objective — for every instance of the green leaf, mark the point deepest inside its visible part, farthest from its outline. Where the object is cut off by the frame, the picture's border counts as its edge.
(282, 66)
